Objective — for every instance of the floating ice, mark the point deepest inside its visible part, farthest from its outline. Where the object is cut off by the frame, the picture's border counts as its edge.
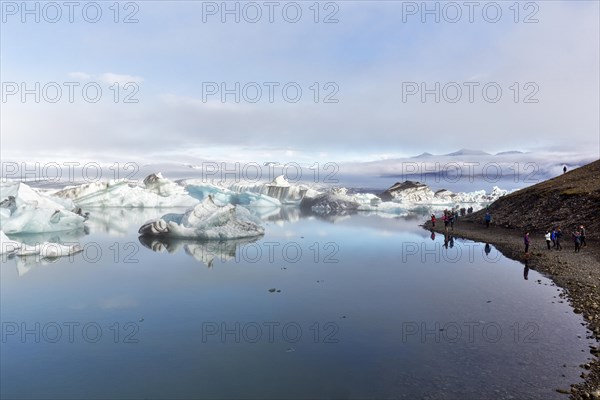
(279, 188)
(224, 196)
(24, 210)
(156, 191)
(206, 221)
(415, 195)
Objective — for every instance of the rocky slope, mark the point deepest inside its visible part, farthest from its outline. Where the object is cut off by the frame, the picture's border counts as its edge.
(568, 200)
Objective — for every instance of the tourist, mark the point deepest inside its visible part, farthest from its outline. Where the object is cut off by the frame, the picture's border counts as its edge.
(558, 237)
(576, 240)
(488, 218)
(548, 237)
(565, 169)
(432, 219)
(526, 241)
(582, 236)
(553, 237)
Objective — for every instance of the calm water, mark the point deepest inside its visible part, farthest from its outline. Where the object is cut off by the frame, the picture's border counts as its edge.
(369, 307)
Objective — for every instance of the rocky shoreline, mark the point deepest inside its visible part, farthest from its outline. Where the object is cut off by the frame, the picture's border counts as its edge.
(577, 273)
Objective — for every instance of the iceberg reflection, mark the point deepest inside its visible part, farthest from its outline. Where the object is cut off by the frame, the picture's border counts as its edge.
(205, 251)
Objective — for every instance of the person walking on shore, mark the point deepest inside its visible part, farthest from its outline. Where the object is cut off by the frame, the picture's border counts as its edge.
(576, 240)
(526, 241)
(488, 218)
(582, 237)
(548, 237)
(432, 219)
(558, 237)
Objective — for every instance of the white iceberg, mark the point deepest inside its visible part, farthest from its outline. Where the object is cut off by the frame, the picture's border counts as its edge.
(155, 192)
(279, 188)
(418, 195)
(24, 210)
(409, 192)
(207, 220)
(223, 196)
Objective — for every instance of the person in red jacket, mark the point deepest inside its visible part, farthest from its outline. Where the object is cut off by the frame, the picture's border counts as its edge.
(432, 219)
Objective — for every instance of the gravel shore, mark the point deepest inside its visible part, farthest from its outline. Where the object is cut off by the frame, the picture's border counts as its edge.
(577, 273)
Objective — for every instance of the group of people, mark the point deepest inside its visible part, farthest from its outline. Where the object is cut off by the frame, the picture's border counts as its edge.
(448, 217)
(554, 236)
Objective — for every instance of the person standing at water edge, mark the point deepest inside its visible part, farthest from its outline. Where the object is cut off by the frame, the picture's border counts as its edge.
(565, 169)
(576, 240)
(548, 237)
(432, 219)
(582, 236)
(558, 237)
(526, 241)
(553, 237)
(488, 218)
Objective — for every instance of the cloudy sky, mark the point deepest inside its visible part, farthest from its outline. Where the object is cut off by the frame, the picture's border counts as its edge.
(506, 78)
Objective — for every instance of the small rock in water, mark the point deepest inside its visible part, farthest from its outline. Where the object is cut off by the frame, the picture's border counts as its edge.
(489, 301)
(278, 290)
(290, 350)
(272, 290)
(141, 319)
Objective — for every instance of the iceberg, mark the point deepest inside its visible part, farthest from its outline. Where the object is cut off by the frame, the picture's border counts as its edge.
(155, 192)
(279, 189)
(206, 220)
(24, 210)
(337, 200)
(408, 192)
(418, 195)
(224, 196)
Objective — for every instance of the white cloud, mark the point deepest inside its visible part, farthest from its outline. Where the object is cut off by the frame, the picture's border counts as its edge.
(81, 76)
(107, 77)
(121, 79)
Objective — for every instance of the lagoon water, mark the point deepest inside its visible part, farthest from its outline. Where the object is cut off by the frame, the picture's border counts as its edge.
(364, 307)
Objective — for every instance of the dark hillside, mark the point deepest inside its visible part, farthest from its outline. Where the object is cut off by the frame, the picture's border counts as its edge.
(569, 200)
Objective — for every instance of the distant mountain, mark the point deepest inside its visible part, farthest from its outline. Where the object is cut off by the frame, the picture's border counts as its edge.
(509, 152)
(468, 152)
(423, 155)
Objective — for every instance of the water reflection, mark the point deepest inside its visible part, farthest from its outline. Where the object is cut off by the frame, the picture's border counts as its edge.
(119, 221)
(64, 237)
(205, 251)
